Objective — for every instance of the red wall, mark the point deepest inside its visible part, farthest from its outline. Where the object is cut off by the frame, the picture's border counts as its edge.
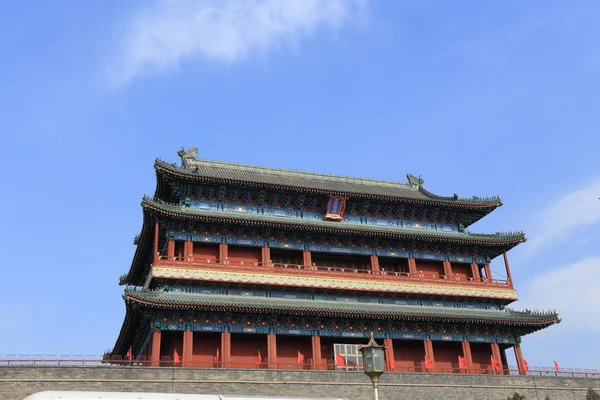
(169, 341)
(245, 254)
(279, 256)
(244, 350)
(179, 246)
(393, 264)
(446, 356)
(409, 355)
(205, 348)
(205, 251)
(462, 270)
(430, 267)
(287, 351)
(341, 261)
(481, 353)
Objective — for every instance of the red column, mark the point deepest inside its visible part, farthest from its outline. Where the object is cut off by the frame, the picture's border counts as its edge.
(412, 267)
(508, 274)
(498, 357)
(389, 353)
(272, 350)
(504, 360)
(467, 354)
(316, 352)
(222, 251)
(155, 258)
(447, 269)
(519, 358)
(171, 249)
(266, 256)
(225, 349)
(187, 250)
(155, 357)
(475, 272)
(429, 351)
(375, 264)
(188, 346)
(488, 272)
(306, 258)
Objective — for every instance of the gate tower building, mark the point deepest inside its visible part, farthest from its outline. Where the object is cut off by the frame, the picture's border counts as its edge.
(239, 266)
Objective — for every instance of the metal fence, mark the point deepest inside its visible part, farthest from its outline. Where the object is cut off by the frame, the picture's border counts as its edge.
(64, 360)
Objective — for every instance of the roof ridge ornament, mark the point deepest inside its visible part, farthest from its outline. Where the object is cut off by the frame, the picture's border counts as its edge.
(188, 156)
(415, 182)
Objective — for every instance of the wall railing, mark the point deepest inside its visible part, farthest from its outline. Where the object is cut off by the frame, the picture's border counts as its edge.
(38, 360)
(320, 270)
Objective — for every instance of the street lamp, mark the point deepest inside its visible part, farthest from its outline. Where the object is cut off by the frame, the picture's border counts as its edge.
(373, 362)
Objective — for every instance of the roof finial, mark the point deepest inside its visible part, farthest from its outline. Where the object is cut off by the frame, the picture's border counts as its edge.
(415, 182)
(187, 156)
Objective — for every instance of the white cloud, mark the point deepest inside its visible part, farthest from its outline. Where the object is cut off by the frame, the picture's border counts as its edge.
(561, 218)
(161, 36)
(574, 289)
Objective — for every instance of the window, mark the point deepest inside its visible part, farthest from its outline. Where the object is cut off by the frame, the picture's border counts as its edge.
(351, 355)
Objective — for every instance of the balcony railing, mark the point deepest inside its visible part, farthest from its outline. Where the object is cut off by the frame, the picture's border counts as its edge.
(326, 271)
(38, 360)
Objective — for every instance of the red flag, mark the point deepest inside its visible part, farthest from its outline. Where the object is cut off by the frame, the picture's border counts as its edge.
(525, 366)
(176, 357)
(129, 354)
(216, 357)
(300, 357)
(462, 362)
(495, 364)
(339, 360)
(555, 366)
(428, 362)
(258, 360)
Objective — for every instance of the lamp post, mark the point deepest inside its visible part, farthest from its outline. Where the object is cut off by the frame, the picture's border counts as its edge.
(373, 362)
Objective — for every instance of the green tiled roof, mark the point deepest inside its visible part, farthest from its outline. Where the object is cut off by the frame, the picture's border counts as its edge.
(248, 175)
(497, 239)
(168, 300)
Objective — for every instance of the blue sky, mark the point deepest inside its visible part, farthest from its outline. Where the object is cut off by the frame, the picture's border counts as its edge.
(479, 98)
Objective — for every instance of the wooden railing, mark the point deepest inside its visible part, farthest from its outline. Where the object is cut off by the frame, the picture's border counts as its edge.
(319, 270)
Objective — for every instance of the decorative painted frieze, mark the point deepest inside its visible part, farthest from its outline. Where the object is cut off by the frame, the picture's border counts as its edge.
(349, 218)
(281, 279)
(367, 297)
(333, 328)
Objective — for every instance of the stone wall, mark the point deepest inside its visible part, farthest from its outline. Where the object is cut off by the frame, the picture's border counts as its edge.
(18, 382)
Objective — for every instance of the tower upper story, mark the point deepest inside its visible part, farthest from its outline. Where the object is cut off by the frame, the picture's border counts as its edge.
(215, 185)
(393, 236)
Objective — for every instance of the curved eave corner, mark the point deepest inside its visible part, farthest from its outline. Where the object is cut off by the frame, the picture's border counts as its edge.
(549, 317)
(487, 202)
(127, 331)
(160, 184)
(144, 247)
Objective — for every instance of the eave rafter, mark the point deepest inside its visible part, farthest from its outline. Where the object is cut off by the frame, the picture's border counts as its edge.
(426, 198)
(507, 240)
(158, 299)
